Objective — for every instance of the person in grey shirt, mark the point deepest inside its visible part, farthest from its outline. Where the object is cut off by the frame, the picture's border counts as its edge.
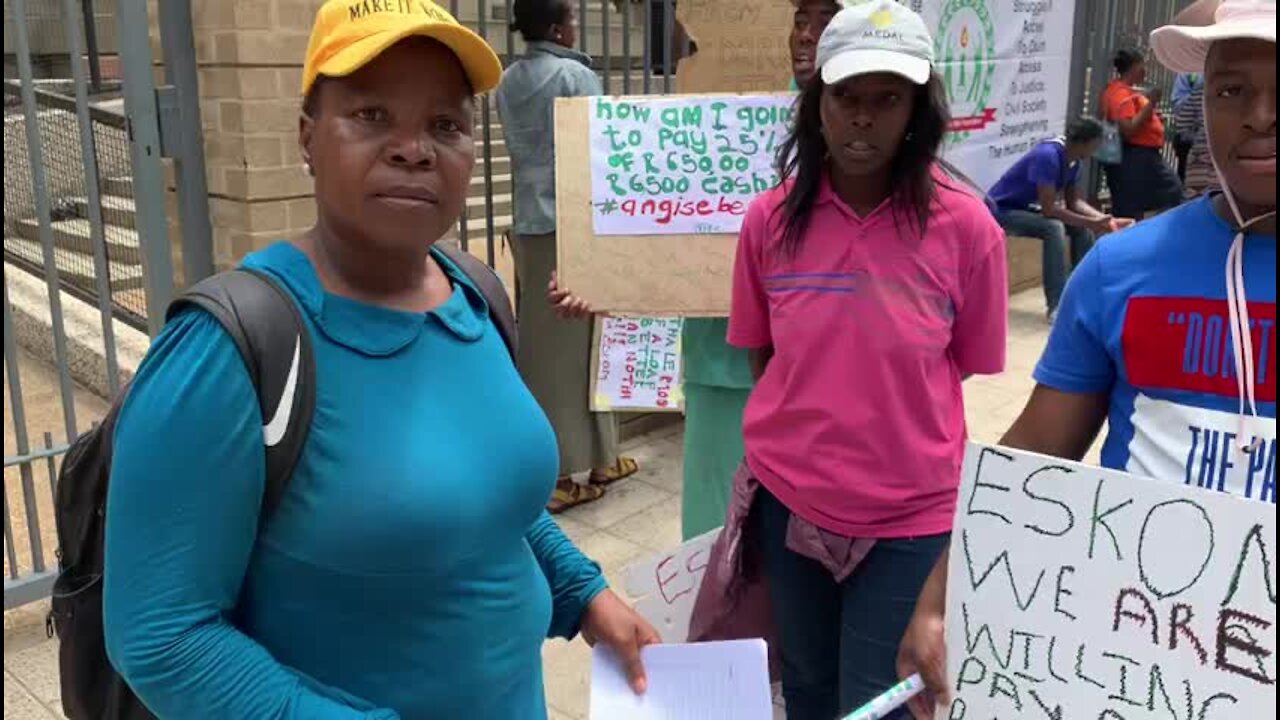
(555, 353)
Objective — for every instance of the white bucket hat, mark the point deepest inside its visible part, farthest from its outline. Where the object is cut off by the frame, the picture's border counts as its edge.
(1183, 49)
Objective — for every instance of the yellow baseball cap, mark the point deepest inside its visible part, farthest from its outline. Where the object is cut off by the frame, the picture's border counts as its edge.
(349, 34)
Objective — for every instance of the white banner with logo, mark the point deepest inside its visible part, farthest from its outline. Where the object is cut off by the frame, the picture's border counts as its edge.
(1006, 65)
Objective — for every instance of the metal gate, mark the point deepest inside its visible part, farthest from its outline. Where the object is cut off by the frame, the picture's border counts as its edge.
(87, 257)
(1110, 25)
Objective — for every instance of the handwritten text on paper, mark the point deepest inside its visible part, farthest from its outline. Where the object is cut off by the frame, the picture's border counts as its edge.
(639, 366)
(682, 164)
(1075, 591)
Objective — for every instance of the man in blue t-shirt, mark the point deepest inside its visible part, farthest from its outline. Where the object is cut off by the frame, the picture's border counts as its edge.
(1037, 198)
(1167, 331)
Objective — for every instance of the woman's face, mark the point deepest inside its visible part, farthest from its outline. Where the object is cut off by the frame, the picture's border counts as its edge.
(391, 146)
(1240, 117)
(811, 18)
(1138, 73)
(864, 120)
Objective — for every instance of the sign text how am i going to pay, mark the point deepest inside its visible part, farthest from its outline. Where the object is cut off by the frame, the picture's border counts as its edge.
(1079, 592)
(682, 165)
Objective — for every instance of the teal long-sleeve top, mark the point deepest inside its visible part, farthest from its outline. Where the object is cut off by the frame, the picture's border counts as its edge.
(410, 570)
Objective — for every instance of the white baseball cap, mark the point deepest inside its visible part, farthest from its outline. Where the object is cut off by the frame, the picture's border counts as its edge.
(1183, 49)
(882, 36)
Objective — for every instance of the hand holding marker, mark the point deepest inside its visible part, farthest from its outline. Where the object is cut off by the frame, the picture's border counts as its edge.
(892, 699)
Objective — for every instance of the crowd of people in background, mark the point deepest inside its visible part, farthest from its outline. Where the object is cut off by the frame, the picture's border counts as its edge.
(825, 429)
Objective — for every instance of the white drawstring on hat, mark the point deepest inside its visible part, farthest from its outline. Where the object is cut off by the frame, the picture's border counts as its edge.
(1238, 314)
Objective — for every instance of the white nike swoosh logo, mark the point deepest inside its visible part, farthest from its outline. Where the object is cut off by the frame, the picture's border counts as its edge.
(273, 431)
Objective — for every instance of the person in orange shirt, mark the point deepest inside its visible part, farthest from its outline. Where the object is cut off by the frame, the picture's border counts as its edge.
(1143, 182)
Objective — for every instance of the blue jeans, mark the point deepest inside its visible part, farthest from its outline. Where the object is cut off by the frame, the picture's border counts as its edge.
(839, 641)
(1055, 234)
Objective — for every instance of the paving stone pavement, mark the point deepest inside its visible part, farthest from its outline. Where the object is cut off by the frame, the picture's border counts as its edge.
(639, 516)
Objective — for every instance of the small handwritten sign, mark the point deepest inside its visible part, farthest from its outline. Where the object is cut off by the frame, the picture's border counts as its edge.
(1077, 592)
(667, 585)
(637, 364)
(685, 164)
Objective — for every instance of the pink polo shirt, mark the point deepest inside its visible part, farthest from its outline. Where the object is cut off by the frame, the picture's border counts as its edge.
(858, 423)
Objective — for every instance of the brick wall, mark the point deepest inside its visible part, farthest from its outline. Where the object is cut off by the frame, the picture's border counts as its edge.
(249, 54)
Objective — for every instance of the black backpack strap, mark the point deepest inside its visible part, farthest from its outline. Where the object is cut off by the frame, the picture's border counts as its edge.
(268, 330)
(491, 287)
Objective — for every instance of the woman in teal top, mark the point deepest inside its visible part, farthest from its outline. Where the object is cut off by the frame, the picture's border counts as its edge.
(717, 377)
(409, 570)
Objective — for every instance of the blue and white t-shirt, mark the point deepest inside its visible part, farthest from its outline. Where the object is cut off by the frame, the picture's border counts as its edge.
(1145, 318)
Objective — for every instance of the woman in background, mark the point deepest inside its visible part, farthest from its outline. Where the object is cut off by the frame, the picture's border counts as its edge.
(555, 353)
(1143, 182)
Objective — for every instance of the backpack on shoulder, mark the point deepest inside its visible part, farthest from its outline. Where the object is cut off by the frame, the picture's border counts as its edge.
(268, 330)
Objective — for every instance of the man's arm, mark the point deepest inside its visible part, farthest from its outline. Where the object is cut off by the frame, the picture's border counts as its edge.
(1054, 423)
(1069, 212)
(1079, 206)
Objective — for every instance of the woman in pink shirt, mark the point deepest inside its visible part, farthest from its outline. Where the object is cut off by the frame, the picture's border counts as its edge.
(866, 287)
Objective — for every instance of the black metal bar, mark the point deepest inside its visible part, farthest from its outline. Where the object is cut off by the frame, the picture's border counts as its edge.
(34, 541)
(35, 455)
(604, 44)
(486, 123)
(626, 46)
(51, 453)
(137, 69)
(511, 34)
(93, 193)
(11, 554)
(91, 46)
(32, 587)
(647, 55)
(582, 27)
(462, 221)
(187, 151)
(40, 188)
(668, 39)
(59, 102)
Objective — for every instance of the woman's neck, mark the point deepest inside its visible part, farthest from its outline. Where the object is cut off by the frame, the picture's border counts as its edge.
(862, 193)
(1247, 213)
(368, 274)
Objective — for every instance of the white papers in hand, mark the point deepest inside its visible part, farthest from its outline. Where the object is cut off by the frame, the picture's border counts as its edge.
(695, 681)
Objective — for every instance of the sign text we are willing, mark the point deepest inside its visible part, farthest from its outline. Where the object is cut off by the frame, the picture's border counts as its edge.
(1078, 592)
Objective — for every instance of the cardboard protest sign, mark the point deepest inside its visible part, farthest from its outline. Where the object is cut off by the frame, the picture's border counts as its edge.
(635, 365)
(682, 164)
(667, 585)
(657, 239)
(742, 45)
(1078, 592)
(632, 193)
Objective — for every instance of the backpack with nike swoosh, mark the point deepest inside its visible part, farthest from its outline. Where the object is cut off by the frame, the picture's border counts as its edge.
(268, 329)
